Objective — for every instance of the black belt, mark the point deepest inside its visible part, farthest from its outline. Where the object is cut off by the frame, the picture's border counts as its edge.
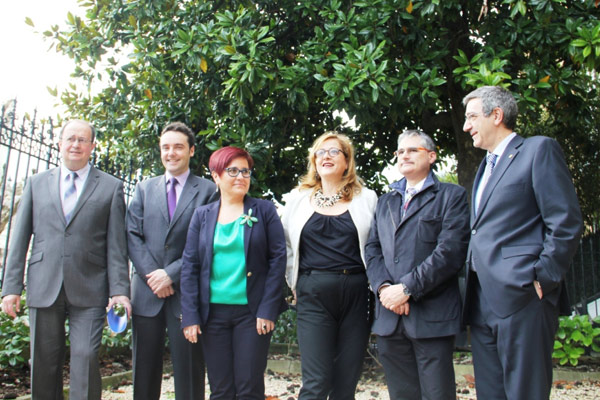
(349, 271)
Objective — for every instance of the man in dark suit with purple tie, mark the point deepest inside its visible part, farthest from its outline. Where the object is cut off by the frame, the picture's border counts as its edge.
(525, 227)
(157, 225)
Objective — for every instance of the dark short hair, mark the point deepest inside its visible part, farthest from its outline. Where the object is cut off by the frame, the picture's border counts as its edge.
(181, 128)
(496, 97)
(220, 159)
(92, 129)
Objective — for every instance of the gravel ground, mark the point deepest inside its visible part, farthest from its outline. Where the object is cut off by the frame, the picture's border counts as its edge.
(372, 386)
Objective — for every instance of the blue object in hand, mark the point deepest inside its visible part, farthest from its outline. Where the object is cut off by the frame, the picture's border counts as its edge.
(116, 323)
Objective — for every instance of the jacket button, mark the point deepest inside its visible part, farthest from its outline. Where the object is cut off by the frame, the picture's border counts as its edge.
(474, 231)
(396, 260)
(249, 274)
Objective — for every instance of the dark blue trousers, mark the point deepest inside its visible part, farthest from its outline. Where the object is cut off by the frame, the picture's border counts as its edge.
(235, 354)
(512, 356)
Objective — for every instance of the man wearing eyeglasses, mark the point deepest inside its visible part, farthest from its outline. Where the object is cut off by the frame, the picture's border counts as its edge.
(75, 214)
(417, 246)
(157, 225)
(525, 227)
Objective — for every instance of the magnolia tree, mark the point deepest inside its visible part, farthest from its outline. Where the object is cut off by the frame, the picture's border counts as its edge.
(271, 75)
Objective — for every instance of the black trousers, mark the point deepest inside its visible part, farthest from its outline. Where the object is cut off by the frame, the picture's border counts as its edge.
(417, 369)
(148, 349)
(512, 356)
(333, 332)
(235, 354)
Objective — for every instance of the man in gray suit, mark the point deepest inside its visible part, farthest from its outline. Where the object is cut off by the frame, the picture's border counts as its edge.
(417, 246)
(525, 227)
(76, 215)
(157, 225)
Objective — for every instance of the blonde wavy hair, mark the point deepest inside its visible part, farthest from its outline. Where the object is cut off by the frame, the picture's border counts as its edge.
(351, 183)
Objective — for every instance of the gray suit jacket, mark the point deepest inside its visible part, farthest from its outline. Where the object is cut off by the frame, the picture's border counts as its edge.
(425, 250)
(527, 226)
(156, 243)
(88, 255)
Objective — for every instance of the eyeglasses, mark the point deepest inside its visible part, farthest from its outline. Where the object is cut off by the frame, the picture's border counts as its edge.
(235, 171)
(332, 151)
(75, 139)
(410, 150)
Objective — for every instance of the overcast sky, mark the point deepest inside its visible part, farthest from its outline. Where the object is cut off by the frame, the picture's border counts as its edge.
(26, 65)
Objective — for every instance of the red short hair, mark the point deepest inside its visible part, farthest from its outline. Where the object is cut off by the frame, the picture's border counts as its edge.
(220, 159)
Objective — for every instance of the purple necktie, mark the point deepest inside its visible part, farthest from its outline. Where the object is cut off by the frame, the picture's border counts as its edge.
(172, 198)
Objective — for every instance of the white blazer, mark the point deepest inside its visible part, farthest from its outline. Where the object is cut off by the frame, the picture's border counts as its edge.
(298, 210)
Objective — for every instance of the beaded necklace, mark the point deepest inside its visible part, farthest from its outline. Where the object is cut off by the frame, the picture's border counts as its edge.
(323, 201)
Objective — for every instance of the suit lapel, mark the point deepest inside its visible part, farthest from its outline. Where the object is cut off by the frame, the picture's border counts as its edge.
(417, 203)
(394, 207)
(249, 203)
(424, 196)
(476, 183)
(510, 153)
(210, 225)
(90, 185)
(54, 191)
(189, 192)
(159, 197)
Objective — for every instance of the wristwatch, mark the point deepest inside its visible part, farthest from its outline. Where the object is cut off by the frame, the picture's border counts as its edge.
(405, 290)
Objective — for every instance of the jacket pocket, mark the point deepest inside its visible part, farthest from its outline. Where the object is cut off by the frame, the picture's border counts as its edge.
(36, 257)
(523, 250)
(513, 187)
(96, 259)
(429, 228)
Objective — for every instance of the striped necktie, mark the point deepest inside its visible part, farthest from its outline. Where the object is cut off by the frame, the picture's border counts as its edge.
(410, 193)
(70, 197)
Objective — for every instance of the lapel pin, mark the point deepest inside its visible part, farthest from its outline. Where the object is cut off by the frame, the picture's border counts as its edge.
(510, 156)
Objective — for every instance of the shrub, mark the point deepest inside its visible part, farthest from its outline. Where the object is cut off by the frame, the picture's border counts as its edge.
(115, 341)
(14, 341)
(285, 328)
(576, 335)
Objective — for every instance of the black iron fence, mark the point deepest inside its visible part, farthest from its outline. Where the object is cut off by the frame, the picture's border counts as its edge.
(31, 147)
(583, 279)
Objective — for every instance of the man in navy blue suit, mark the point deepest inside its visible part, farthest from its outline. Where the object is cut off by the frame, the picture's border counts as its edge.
(525, 227)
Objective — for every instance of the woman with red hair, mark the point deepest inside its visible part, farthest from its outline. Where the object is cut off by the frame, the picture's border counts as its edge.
(231, 279)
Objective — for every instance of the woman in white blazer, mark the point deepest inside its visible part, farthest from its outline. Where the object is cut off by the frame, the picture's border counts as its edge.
(326, 221)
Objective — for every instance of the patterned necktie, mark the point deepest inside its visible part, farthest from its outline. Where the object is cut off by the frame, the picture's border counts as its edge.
(491, 162)
(490, 159)
(172, 198)
(70, 197)
(410, 192)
